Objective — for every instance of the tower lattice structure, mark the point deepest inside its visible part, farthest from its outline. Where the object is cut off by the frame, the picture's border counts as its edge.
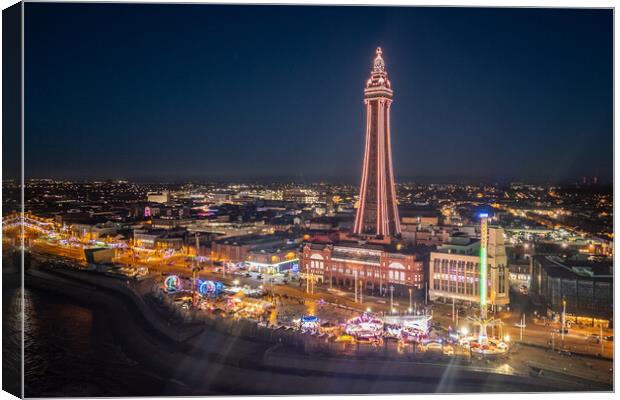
(377, 214)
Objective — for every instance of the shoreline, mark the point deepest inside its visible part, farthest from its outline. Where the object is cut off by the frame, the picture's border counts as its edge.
(212, 362)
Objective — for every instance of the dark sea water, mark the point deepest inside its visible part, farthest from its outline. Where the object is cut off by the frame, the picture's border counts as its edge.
(71, 351)
(11, 333)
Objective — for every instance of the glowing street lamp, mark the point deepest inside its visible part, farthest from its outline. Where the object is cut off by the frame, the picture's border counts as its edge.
(410, 298)
(563, 317)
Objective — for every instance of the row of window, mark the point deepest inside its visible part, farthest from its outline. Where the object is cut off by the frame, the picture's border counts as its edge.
(454, 264)
(454, 287)
(455, 278)
(316, 265)
(501, 289)
(393, 276)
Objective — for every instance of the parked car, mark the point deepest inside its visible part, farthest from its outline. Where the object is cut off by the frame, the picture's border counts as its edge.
(608, 338)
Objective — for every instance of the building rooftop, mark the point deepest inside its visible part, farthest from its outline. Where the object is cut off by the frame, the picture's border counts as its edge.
(274, 249)
(349, 247)
(559, 267)
(412, 212)
(254, 240)
(460, 244)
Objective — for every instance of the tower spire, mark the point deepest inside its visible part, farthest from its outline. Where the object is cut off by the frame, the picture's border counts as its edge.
(379, 64)
(378, 75)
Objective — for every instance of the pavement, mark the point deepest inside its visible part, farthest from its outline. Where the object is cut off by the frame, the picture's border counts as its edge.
(534, 346)
(535, 333)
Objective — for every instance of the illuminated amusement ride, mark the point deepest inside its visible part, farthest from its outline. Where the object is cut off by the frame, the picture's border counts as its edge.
(482, 343)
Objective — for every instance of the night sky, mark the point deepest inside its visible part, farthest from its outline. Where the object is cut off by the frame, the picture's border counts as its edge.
(180, 92)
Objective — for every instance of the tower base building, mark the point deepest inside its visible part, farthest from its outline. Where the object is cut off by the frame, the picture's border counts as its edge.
(378, 269)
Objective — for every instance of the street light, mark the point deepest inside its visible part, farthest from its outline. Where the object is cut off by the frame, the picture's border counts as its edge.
(355, 273)
(563, 318)
(361, 292)
(453, 308)
(307, 278)
(410, 299)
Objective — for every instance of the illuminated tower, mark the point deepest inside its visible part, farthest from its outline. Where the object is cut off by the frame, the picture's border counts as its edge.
(377, 214)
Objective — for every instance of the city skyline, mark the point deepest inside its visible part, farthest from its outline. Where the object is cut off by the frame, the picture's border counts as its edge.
(138, 102)
(223, 200)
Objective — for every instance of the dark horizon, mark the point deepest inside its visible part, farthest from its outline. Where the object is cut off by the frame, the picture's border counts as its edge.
(315, 180)
(202, 92)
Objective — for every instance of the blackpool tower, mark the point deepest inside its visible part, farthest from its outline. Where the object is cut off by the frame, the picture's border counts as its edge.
(377, 214)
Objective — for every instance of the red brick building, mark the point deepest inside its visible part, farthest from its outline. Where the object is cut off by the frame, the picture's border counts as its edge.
(377, 266)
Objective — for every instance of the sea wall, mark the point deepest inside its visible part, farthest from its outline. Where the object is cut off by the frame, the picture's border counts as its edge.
(214, 355)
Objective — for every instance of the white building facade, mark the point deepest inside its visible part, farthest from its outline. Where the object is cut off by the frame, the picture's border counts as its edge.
(454, 271)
